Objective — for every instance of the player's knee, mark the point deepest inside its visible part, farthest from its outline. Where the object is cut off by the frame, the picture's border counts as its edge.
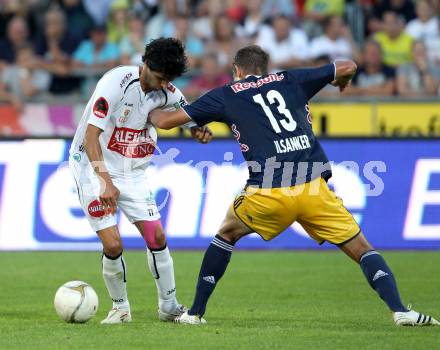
(159, 238)
(154, 235)
(232, 231)
(230, 235)
(113, 248)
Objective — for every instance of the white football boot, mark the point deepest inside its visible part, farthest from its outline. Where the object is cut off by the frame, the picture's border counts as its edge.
(170, 316)
(414, 318)
(189, 319)
(117, 315)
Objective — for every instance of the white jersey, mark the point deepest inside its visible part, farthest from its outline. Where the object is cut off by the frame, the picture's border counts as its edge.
(120, 108)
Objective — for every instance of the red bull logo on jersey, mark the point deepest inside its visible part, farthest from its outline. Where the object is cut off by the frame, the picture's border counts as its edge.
(243, 147)
(132, 143)
(309, 114)
(238, 87)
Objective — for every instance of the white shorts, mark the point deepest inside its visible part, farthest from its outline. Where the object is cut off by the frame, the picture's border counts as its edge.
(135, 200)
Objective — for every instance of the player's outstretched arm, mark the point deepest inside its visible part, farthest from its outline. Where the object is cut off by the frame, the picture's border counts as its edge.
(345, 70)
(208, 108)
(168, 120)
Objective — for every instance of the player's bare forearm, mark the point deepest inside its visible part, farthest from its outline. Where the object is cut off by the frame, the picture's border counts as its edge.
(94, 151)
(168, 120)
(109, 193)
(345, 70)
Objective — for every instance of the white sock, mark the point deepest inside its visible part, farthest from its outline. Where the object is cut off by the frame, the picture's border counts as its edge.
(162, 269)
(114, 272)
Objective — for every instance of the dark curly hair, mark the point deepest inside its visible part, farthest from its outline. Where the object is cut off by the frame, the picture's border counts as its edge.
(166, 56)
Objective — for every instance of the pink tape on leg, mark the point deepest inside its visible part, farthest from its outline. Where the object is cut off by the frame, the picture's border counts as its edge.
(150, 229)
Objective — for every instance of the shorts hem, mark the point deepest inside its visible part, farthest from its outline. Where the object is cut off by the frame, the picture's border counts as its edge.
(132, 221)
(250, 228)
(348, 240)
(110, 224)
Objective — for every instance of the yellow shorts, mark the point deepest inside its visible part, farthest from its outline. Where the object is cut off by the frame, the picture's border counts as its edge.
(270, 211)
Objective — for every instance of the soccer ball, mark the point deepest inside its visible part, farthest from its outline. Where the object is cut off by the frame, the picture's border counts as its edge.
(76, 302)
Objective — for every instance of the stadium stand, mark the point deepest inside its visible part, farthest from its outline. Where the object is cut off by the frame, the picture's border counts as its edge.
(53, 52)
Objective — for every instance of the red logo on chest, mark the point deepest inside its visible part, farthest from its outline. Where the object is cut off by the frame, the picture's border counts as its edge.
(132, 143)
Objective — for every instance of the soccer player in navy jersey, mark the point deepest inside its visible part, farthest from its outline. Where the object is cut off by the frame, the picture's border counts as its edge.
(288, 172)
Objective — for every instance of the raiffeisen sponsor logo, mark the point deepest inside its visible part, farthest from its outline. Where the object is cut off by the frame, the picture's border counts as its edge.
(132, 143)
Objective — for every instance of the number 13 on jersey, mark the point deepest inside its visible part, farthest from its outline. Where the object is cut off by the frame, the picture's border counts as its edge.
(273, 96)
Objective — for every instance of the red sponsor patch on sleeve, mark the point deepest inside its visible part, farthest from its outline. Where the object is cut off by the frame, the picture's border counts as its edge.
(100, 108)
(171, 87)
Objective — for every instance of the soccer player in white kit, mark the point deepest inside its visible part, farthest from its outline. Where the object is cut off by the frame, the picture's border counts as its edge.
(108, 159)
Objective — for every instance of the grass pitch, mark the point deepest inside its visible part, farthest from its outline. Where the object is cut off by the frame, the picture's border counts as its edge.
(267, 300)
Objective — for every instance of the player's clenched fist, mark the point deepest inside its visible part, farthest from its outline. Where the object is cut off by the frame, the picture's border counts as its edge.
(202, 134)
(345, 70)
(109, 198)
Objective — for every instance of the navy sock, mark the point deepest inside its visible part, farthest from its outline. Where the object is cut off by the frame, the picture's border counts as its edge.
(213, 267)
(381, 279)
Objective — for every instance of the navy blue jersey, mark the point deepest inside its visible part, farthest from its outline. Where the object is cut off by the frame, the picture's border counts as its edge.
(270, 119)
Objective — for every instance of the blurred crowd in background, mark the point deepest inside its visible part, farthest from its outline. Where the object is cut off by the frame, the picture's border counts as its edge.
(54, 48)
